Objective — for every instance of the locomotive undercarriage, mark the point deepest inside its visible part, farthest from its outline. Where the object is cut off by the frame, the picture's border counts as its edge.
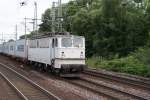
(66, 70)
(71, 70)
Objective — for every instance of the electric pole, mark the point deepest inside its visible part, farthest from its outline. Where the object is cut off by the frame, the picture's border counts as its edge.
(16, 31)
(53, 17)
(35, 17)
(2, 38)
(25, 27)
(60, 16)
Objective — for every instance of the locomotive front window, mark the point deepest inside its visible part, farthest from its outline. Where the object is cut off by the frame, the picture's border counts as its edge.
(66, 42)
(77, 42)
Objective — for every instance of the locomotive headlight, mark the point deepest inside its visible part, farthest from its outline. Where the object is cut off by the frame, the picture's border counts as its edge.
(81, 54)
(62, 54)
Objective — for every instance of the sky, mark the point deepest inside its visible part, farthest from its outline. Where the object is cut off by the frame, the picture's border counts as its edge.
(12, 14)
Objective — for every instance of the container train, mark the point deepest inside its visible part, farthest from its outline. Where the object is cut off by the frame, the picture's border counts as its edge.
(60, 53)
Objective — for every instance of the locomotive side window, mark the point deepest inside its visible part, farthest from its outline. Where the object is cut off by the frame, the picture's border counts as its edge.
(44, 43)
(32, 44)
(56, 42)
(20, 48)
(53, 43)
(7, 48)
(66, 42)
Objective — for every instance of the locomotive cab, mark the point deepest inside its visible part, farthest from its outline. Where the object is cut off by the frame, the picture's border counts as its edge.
(69, 54)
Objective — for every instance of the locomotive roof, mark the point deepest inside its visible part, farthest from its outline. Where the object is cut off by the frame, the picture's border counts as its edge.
(50, 34)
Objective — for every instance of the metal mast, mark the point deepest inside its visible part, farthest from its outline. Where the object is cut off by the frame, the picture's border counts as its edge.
(57, 20)
(2, 38)
(60, 16)
(35, 18)
(16, 32)
(25, 27)
(53, 17)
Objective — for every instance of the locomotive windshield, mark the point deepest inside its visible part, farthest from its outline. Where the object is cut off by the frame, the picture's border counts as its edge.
(69, 42)
(77, 42)
(66, 42)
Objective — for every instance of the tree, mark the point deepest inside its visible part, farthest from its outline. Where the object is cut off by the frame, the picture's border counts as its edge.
(46, 22)
(111, 27)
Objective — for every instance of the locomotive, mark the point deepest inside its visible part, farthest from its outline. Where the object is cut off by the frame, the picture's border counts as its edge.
(60, 53)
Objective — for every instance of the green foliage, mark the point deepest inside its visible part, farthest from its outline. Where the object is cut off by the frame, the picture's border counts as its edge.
(137, 63)
(142, 54)
(129, 64)
(46, 25)
(33, 33)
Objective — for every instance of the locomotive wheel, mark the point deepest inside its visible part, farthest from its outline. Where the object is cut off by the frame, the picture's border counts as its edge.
(28, 62)
(48, 69)
(53, 70)
(57, 72)
(52, 62)
(44, 67)
(35, 65)
(41, 68)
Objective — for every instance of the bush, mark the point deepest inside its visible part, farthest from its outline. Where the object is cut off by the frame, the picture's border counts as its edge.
(129, 64)
(143, 54)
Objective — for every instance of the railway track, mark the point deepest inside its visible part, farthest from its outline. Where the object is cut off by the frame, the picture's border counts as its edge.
(117, 93)
(8, 92)
(108, 92)
(133, 82)
(26, 88)
(102, 90)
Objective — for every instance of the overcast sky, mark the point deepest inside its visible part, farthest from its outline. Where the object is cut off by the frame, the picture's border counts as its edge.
(11, 13)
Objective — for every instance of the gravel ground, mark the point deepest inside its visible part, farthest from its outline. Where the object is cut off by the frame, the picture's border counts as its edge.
(125, 75)
(63, 89)
(7, 92)
(119, 86)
